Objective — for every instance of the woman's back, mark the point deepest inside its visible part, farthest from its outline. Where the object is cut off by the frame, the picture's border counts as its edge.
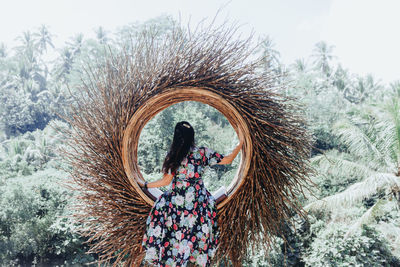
(182, 225)
(193, 165)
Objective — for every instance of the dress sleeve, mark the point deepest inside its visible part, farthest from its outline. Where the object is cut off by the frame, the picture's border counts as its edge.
(211, 157)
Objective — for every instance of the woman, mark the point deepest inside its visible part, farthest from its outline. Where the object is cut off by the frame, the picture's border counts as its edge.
(182, 224)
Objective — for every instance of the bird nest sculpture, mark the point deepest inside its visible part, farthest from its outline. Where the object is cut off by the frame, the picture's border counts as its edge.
(130, 86)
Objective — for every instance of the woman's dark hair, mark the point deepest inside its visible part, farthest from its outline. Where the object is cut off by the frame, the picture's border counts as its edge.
(182, 142)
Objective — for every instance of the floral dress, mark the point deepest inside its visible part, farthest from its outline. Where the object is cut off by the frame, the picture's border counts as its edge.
(182, 224)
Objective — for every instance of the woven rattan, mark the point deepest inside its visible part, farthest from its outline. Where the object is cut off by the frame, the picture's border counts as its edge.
(122, 91)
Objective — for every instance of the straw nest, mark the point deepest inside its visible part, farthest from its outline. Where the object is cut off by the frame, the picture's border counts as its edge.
(131, 85)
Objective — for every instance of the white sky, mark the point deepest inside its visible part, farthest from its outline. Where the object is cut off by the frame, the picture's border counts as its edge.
(365, 33)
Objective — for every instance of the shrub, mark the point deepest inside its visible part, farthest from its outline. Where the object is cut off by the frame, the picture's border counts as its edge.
(364, 248)
(272, 257)
(33, 223)
(30, 152)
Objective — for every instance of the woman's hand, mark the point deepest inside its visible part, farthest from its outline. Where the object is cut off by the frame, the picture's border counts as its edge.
(165, 180)
(229, 158)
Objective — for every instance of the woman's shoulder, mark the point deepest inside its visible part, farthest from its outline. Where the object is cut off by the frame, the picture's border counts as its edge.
(197, 151)
(200, 149)
(204, 150)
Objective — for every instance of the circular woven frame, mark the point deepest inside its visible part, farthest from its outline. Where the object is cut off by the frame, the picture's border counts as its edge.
(164, 100)
(129, 86)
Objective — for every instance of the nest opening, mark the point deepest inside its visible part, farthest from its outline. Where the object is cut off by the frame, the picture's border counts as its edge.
(158, 103)
(212, 129)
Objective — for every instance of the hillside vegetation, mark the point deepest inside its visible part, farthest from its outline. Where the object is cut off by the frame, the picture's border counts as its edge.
(353, 209)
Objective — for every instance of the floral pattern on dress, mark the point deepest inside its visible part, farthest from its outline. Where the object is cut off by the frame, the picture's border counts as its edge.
(182, 224)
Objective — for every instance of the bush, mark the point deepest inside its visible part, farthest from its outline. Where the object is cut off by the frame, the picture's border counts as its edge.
(33, 151)
(364, 248)
(272, 257)
(33, 223)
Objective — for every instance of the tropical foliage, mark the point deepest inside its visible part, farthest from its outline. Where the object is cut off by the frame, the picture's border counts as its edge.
(353, 209)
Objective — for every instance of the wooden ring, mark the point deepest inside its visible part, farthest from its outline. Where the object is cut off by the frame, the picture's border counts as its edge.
(161, 101)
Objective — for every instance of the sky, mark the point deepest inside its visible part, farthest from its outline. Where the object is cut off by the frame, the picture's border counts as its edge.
(364, 33)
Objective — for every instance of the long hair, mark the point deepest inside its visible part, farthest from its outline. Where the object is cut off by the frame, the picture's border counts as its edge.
(182, 142)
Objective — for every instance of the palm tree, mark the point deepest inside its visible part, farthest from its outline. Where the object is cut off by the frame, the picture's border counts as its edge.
(270, 54)
(300, 65)
(372, 155)
(65, 63)
(395, 87)
(26, 56)
(26, 41)
(322, 57)
(394, 90)
(367, 86)
(3, 50)
(101, 35)
(372, 141)
(76, 44)
(372, 83)
(43, 38)
(361, 88)
(341, 78)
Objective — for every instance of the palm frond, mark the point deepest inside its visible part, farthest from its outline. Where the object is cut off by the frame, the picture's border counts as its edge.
(369, 216)
(359, 143)
(391, 231)
(340, 164)
(385, 133)
(392, 109)
(356, 192)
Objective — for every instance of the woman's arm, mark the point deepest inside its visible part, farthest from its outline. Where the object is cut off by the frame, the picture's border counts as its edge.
(229, 158)
(165, 180)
